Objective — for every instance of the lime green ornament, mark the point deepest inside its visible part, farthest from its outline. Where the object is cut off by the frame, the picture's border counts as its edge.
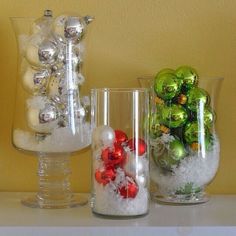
(193, 132)
(208, 143)
(166, 86)
(197, 97)
(165, 71)
(209, 117)
(188, 75)
(154, 125)
(188, 188)
(171, 157)
(173, 116)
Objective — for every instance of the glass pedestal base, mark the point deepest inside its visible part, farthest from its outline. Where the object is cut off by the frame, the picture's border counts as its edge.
(77, 200)
(184, 199)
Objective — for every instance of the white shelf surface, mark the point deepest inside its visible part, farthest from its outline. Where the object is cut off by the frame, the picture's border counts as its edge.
(216, 217)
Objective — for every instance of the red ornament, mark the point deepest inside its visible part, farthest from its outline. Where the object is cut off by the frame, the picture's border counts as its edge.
(120, 136)
(142, 146)
(129, 190)
(105, 176)
(115, 156)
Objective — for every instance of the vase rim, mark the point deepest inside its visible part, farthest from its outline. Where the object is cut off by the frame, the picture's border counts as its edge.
(105, 89)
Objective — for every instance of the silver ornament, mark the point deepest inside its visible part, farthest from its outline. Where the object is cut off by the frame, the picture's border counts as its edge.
(48, 52)
(80, 113)
(142, 180)
(48, 114)
(103, 136)
(136, 165)
(74, 28)
(35, 81)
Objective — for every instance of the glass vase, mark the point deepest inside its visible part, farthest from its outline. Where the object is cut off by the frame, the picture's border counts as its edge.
(51, 118)
(184, 145)
(120, 151)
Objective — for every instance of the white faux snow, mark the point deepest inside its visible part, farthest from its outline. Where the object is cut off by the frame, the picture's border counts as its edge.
(194, 169)
(60, 140)
(108, 201)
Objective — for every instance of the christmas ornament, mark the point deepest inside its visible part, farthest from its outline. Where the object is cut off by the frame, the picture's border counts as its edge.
(165, 71)
(135, 166)
(182, 99)
(70, 27)
(172, 155)
(188, 75)
(197, 97)
(48, 52)
(129, 190)
(43, 24)
(120, 137)
(105, 176)
(35, 81)
(166, 86)
(48, 114)
(137, 145)
(114, 156)
(104, 136)
(193, 133)
(209, 117)
(173, 116)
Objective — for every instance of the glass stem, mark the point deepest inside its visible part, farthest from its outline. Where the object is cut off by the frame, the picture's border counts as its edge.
(54, 185)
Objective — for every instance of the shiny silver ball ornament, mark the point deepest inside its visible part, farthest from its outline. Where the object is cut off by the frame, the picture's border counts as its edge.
(70, 28)
(48, 52)
(74, 28)
(37, 123)
(103, 136)
(48, 114)
(35, 81)
(80, 113)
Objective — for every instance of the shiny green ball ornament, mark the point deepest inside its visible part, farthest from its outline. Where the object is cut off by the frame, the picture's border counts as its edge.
(172, 156)
(154, 125)
(173, 116)
(165, 71)
(188, 75)
(193, 132)
(209, 117)
(197, 97)
(166, 86)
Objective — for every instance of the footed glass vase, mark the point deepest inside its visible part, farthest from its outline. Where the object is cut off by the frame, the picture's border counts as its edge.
(51, 117)
(184, 145)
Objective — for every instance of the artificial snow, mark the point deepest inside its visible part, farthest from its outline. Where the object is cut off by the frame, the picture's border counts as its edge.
(195, 168)
(59, 140)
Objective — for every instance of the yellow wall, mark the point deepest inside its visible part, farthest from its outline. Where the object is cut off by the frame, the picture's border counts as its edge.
(130, 38)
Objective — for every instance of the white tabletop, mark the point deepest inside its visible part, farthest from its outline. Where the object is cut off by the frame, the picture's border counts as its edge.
(216, 217)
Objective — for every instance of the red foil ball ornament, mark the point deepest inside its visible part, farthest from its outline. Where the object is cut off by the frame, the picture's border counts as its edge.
(105, 176)
(120, 136)
(137, 145)
(115, 156)
(129, 190)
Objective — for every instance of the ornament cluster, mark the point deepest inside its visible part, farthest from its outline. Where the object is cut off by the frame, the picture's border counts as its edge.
(122, 162)
(183, 119)
(51, 71)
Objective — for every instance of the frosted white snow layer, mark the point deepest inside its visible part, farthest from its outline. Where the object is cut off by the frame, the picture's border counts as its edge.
(195, 168)
(60, 140)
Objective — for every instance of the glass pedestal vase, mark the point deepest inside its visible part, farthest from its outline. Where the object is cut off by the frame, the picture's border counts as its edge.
(51, 117)
(184, 145)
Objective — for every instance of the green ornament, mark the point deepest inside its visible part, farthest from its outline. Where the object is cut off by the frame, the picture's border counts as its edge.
(188, 75)
(193, 133)
(188, 188)
(197, 97)
(173, 116)
(209, 117)
(154, 125)
(171, 157)
(208, 143)
(164, 71)
(166, 86)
